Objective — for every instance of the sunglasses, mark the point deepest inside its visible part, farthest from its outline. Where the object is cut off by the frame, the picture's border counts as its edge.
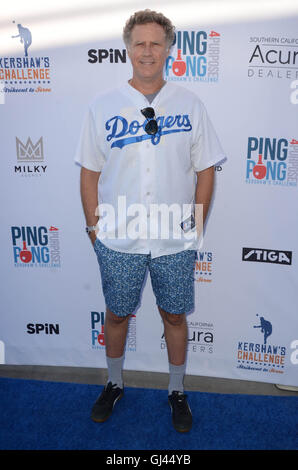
(151, 127)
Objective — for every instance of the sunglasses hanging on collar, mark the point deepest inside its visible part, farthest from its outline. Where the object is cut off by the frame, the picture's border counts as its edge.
(151, 127)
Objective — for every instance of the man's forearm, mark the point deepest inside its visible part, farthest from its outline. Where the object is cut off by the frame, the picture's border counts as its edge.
(204, 189)
(89, 195)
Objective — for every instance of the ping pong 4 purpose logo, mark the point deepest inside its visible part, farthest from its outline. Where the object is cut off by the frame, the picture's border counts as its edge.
(194, 57)
(98, 336)
(35, 246)
(272, 161)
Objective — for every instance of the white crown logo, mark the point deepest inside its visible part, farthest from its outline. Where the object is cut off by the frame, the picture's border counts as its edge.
(29, 151)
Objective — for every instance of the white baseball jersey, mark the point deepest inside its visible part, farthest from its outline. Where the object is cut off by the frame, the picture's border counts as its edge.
(147, 180)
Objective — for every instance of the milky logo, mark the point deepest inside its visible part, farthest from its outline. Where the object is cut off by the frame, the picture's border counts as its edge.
(29, 151)
(124, 133)
(30, 157)
(272, 161)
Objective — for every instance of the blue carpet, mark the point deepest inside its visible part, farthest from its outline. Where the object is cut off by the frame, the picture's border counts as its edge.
(38, 415)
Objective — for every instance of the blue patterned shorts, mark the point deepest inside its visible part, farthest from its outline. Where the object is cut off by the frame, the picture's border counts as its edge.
(123, 274)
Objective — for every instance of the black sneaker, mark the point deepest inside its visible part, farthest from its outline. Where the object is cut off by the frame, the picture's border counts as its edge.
(105, 403)
(181, 414)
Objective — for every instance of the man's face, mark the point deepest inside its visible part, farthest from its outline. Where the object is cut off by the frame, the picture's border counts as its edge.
(148, 51)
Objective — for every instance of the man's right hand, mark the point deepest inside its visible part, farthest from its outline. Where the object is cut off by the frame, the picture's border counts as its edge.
(92, 236)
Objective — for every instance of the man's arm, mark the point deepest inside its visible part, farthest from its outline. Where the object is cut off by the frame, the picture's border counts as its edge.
(89, 196)
(204, 190)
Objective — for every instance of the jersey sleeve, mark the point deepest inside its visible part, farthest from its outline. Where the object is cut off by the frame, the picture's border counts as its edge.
(88, 153)
(206, 149)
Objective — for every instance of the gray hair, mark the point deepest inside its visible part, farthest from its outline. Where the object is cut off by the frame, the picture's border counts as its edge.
(148, 16)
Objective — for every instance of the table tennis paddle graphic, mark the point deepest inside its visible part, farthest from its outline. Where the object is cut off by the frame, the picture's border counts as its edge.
(214, 34)
(25, 255)
(259, 170)
(101, 337)
(179, 66)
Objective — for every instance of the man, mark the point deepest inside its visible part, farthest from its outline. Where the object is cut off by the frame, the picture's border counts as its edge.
(148, 142)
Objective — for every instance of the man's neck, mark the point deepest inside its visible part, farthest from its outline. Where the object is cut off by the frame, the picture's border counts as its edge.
(147, 88)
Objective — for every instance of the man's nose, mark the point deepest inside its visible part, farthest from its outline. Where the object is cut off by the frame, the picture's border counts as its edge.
(147, 49)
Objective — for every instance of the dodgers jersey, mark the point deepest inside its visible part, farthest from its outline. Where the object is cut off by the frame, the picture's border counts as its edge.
(142, 175)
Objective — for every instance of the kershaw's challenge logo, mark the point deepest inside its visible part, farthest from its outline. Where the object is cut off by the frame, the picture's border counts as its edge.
(203, 266)
(124, 133)
(261, 357)
(272, 161)
(26, 71)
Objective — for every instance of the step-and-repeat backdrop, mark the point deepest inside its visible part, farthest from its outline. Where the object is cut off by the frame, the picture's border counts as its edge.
(245, 323)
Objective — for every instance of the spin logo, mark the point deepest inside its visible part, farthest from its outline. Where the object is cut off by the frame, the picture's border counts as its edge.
(37, 247)
(114, 56)
(98, 330)
(258, 354)
(203, 266)
(25, 73)
(195, 57)
(272, 161)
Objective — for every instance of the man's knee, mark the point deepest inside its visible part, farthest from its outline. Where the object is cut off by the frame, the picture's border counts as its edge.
(172, 318)
(116, 319)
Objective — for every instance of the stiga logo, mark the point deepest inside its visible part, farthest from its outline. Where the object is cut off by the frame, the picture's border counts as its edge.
(97, 332)
(30, 158)
(261, 356)
(272, 161)
(196, 57)
(37, 247)
(203, 266)
(267, 256)
(25, 74)
(273, 57)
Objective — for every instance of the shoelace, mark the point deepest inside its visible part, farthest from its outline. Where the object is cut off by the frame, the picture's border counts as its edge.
(180, 399)
(107, 390)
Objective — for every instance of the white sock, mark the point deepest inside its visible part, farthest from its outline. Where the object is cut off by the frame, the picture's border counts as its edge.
(176, 378)
(115, 365)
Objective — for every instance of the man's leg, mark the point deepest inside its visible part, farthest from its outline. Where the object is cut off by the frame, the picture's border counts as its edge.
(115, 336)
(175, 329)
(115, 331)
(173, 286)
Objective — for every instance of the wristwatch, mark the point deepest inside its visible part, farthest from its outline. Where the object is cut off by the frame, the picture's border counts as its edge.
(90, 228)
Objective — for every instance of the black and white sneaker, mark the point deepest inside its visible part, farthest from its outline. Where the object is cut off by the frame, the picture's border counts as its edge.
(103, 407)
(181, 413)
